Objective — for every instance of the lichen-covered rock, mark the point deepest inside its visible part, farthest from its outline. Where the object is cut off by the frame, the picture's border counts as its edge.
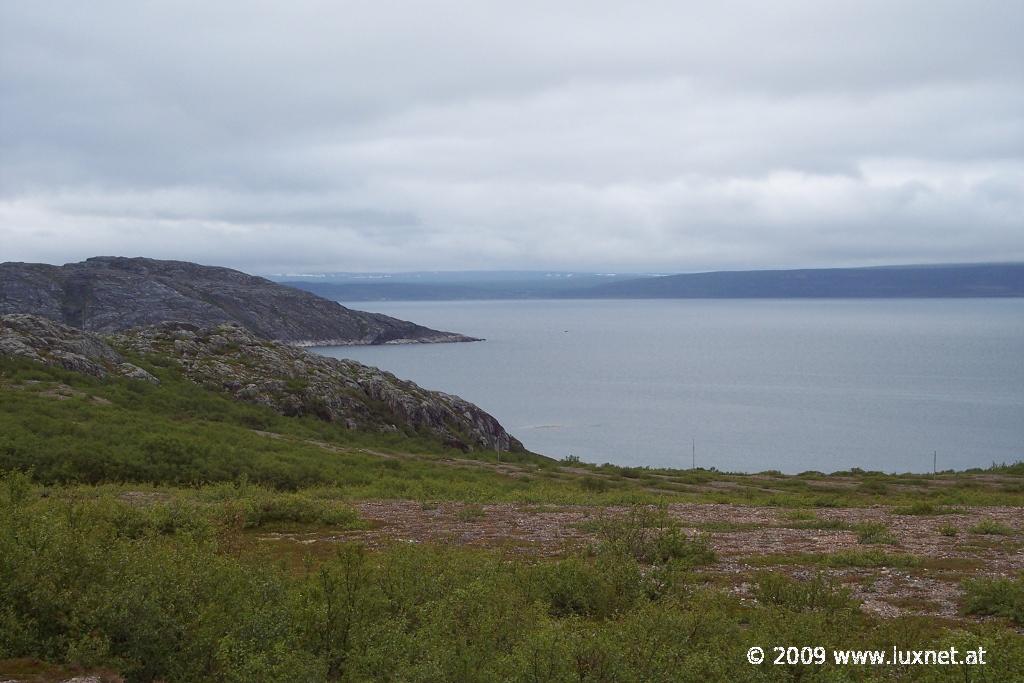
(296, 382)
(45, 341)
(292, 381)
(132, 371)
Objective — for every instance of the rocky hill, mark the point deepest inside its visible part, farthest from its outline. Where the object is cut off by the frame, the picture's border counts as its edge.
(110, 294)
(978, 280)
(289, 380)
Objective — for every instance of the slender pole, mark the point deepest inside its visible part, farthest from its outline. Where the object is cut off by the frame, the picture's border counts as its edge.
(693, 454)
(935, 460)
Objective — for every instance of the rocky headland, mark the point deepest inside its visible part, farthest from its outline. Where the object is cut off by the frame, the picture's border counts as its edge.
(110, 294)
(290, 380)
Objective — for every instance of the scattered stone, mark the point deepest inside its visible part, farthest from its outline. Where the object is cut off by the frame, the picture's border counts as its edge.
(548, 531)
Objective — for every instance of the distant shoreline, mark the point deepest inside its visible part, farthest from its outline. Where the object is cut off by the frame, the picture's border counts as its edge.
(953, 281)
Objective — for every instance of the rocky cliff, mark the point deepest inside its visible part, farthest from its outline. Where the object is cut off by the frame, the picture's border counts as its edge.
(109, 294)
(289, 380)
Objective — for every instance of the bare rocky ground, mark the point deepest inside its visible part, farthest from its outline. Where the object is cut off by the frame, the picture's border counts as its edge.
(35, 671)
(747, 539)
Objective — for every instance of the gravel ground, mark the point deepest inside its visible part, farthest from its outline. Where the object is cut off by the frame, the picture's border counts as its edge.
(739, 535)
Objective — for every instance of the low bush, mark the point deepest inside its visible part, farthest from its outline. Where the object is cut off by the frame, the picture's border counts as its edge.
(996, 597)
(874, 533)
(817, 593)
(651, 536)
(158, 587)
(992, 527)
(919, 508)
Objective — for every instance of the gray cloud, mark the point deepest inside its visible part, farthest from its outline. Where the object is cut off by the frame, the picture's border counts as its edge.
(669, 136)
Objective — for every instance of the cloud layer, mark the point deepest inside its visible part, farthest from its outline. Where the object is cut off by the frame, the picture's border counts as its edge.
(470, 135)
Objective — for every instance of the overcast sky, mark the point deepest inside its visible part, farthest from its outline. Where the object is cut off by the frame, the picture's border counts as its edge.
(308, 136)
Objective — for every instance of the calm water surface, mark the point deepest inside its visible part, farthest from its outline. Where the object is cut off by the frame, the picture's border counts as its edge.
(787, 385)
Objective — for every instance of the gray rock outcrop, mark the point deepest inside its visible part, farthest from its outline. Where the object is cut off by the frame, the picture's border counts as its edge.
(48, 342)
(296, 382)
(287, 379)
(109, 294)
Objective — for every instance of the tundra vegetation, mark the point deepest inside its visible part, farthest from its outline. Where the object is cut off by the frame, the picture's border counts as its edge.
(168, 533)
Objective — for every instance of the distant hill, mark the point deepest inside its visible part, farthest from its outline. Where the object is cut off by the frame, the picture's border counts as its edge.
(108, 294)
(914, 281)
(410, 291)
(452, 285)
(981, 280)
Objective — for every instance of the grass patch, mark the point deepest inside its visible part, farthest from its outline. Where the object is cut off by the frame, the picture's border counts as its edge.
(874, 533)
(724, 526)
(875, 487)
(919, 508)
(818, 523)
(844, 558)
(992, 528)
(470, 513)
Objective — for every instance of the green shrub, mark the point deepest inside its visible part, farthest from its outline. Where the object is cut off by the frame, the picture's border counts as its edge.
(818, 593)
(996, 597)
(874, 533)
(919, 508)
(991, 527)
(576, 586)
(651, 537)
(296, 508)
